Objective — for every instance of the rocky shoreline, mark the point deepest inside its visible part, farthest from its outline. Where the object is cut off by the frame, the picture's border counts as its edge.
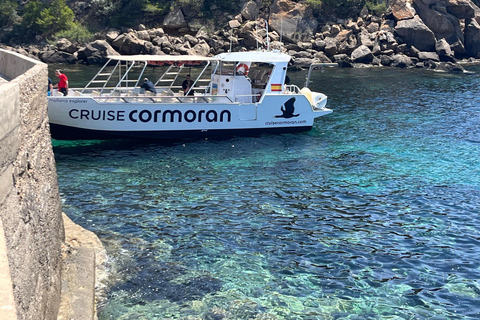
(430, 34)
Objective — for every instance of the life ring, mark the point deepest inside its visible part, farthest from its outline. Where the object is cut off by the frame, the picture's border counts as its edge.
(244, 67)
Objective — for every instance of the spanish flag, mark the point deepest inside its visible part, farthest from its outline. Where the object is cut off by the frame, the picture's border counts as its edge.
(276, 87)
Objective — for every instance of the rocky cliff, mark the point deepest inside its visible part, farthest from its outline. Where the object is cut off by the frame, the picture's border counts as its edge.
(421, 33)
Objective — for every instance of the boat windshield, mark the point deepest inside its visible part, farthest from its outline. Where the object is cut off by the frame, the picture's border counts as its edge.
(225, 68)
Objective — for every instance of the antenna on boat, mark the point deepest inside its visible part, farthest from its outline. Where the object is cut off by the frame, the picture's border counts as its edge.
(281, 31)
(231, 38)
(268, 40)
(256, 33)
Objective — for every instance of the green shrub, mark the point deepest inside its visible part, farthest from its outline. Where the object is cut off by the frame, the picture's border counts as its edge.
(43, 19)
(55, 18)
(196, 5)
(316, 6)
(154, 9)
(343, 8)
(77, 33)
(376, 8)
(8, 13)
(129, 13)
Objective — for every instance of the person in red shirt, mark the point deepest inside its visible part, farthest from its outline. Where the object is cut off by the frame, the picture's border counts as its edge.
(62, 84)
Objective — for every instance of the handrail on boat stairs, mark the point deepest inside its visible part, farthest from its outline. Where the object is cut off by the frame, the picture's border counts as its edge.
(123, 68)
(316, 66)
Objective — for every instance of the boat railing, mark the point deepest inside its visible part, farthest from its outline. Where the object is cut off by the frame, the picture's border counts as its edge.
(164, 99)
(248, 98)
(317, 66)
(291, 88)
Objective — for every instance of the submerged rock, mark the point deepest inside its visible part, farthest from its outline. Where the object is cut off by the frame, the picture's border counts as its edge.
(450, 67)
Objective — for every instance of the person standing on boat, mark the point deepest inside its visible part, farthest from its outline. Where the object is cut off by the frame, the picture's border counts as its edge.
(148, 86)
(187, 85)
(62, 84)
(50, 87)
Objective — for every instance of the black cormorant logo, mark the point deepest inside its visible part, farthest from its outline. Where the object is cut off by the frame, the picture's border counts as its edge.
(288, 109)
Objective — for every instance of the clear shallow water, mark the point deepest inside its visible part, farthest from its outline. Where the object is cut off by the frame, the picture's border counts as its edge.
(371, 215)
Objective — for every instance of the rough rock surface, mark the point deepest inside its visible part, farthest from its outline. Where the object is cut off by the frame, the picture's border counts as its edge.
(432, 27)
(415, 33)
(402, 10)
(294, 20)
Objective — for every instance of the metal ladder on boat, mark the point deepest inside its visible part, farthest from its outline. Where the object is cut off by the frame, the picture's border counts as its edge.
(99, 80)
(171, 72)
(171, 75)
(103, 77)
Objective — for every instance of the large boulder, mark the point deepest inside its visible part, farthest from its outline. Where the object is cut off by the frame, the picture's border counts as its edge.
(158, 32)
(415, 32)
(175, 19)
(401, 61)
(343, 60)
(322, 57)
(462, 9)
(365, 38)
(402, 10)
(303, 62)
(234, 24)
(251, 37)
(293, 20)
(443, 48)
(65, 45)
(129, 43)
(444, 51)
(202, 48)
(331, 46)
(443, 24)
(348, 45)
(387, 41)
(472, 38)
(51, 56)
(143, 35)
(250, 10)
(362, 54)
(111, 35)
(96, 52)
(432, 56)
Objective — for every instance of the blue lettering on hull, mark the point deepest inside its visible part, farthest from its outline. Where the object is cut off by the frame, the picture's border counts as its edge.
(146, 116)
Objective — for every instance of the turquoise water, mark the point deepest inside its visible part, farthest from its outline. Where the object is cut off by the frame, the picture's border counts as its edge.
(371, 215)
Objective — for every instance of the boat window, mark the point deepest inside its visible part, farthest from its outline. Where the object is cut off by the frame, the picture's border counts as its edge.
(217, 99)
(166, 100)
(226, 68)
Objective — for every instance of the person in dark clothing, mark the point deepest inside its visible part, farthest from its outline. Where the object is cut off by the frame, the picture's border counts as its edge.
(186, 85)
(148, 86)
(50, 87)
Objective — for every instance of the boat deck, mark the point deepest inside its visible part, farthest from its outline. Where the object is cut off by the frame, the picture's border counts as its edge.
(166, 97)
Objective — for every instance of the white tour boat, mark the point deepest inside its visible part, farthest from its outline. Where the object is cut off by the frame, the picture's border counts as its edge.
(235, 93)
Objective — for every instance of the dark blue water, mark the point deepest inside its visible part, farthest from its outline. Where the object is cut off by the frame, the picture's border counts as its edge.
(374, 214)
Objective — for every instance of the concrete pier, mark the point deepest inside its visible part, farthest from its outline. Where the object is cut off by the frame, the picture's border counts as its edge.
(40, 272)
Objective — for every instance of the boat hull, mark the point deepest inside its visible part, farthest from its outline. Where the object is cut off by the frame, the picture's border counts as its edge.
(61, 132)
(74, 118)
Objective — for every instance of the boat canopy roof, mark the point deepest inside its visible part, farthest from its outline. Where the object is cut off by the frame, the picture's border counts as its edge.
(255, 56)
(251, 56)
(160, 58)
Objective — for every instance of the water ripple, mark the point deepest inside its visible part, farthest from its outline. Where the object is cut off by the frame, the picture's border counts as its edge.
(371, 215)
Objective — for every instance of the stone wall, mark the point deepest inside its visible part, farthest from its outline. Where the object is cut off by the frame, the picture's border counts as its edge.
(30, 207)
